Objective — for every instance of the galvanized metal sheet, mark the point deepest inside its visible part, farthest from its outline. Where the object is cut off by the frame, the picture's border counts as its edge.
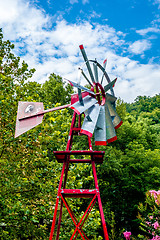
(95, 71)
(110, 85)
(80, 97)
(110, 131)
(26, 109)
(110, 98)
(84, 75)
(117, 122)
(100, 129)
(81, 87)
(75, 98)
(89, 126)
(88, 101)
(87, 62)
(104, 66)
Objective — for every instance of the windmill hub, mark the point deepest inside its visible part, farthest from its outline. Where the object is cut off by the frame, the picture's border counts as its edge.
(100, 93)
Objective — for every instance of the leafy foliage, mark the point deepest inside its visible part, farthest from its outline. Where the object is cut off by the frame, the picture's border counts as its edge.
(149, 215)
(30, 174)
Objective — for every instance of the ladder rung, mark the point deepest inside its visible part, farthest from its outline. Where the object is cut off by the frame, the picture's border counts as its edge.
(76, 129)
(96, 156)
(80, 160)
(78, 193)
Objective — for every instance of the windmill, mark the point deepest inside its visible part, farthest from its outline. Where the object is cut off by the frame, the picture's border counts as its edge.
(97, 103)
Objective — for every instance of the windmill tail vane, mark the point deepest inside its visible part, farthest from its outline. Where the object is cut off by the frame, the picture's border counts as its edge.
(30, 114)
(97, 104)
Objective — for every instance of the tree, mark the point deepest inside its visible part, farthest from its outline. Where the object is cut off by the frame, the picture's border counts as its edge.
(28, 178)
(144, 104)
(55, 90)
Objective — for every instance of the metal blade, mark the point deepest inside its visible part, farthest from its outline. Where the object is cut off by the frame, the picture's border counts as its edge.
(100, 129)
(89, 126)
(25, 110)
(87, 62)
(95, 71)
(80, 87)
(104, 66)
(109, 85)
(117, 122)
(75, 98)
(88, 101)
(110, 131)
(105, 63)
(110, 98)
(85, 77)
(80, 97)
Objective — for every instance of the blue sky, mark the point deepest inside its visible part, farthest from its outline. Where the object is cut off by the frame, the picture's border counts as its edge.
(47, 35)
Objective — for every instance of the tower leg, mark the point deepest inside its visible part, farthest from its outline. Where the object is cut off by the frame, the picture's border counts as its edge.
(57, 202)
(66, 168)
(61, 206)
(99, 202)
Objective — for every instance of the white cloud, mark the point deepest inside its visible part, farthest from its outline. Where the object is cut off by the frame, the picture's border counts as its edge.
(94, 15)
(73, 1)
(8, 10)
(85, 1)
(54, 48)
(138, 47)
(135, 79)
(148, 30)
(157, 2)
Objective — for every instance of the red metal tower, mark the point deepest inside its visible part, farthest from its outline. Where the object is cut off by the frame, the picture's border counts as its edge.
(63, 193)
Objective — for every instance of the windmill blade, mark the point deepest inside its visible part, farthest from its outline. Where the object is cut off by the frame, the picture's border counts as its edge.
(88, 102)
(117, 122)
(105, 63)
(104, 66)
(89, 126)
(95, 71)
(75, 98)
(80, 87)
(110, 131)
(100, 129)
(110, 98)
(80, 97)
(85, 77)
(27, 109)
(87, 62)
(109, 85)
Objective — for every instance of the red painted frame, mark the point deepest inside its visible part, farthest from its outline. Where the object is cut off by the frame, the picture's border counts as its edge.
(63, 193)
